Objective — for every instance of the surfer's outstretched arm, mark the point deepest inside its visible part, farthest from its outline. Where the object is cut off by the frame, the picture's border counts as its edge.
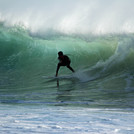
(58, 67)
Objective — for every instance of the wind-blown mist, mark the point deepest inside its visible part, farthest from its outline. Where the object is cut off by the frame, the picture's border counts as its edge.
(70, 16)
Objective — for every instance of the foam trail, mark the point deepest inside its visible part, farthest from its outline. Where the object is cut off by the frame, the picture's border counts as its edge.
(82, 76)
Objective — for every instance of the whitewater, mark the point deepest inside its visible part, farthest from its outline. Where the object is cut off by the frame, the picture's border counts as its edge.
(98, 36)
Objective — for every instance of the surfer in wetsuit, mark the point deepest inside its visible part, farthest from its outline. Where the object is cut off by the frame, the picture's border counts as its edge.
(63, 61)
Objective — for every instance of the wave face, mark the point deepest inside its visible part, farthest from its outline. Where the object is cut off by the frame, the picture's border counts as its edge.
(22, 51)
(101, 62)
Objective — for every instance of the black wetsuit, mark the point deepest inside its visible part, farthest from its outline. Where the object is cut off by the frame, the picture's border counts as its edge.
(64, 61)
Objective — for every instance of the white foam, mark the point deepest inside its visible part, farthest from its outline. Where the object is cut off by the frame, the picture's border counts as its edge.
(44, 119)
(82, 76)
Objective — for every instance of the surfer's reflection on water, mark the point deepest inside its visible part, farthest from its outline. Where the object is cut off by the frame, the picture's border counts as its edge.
(64, 91)
(57, 83)
(64, 96)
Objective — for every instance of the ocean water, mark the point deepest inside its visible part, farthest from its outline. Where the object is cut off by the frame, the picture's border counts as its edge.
(98, 98)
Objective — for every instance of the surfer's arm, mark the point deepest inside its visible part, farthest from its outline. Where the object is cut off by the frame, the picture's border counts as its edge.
(58, 67)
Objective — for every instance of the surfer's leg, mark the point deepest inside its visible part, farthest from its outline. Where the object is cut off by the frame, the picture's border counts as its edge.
(68, 66)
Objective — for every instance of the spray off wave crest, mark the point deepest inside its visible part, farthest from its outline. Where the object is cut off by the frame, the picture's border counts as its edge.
(72, 17)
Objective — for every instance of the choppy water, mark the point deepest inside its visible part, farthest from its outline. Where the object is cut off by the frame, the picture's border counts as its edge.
(64, 120)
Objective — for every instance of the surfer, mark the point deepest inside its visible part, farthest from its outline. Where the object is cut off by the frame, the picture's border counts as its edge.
(63, 61)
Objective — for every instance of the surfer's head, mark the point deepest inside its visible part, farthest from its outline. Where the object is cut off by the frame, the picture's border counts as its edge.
(60, 53)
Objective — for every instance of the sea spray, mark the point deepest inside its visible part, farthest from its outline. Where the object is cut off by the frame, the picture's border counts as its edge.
(82, 76)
